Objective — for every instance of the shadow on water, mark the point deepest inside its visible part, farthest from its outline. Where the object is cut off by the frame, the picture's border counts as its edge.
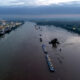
(8, 32)
(2, 36)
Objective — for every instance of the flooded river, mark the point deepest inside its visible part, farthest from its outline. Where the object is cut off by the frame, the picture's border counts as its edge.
(22, 58)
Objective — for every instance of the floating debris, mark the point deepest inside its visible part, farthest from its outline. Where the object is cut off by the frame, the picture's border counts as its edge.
(40, 39)
(54, 42)
(51, 68)
(44, 48)
(36, 27)
(40, 35)
(39, 27)
(60, 49)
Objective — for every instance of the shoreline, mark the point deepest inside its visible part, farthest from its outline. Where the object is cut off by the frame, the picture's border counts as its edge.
(7, 26)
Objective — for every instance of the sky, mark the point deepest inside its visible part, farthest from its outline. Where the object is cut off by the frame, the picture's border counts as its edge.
(40, 8)
(35, 2)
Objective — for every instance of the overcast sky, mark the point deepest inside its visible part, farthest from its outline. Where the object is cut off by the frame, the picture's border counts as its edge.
(35, 2)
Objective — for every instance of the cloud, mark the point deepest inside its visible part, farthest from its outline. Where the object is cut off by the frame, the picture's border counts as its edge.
(36, 2)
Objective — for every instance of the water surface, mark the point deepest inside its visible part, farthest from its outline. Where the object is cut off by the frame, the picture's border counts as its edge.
(22, 58)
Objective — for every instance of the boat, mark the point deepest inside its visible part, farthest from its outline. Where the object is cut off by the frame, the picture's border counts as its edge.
(2, 31)
(44, 48)
(50, 65)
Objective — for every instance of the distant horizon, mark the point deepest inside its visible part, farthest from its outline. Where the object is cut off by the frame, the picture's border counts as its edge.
(42, 16)
(40, 8)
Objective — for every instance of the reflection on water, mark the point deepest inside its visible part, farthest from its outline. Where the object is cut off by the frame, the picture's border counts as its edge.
(74, 40)
(2, 36)
(21, 56)
(69, 55)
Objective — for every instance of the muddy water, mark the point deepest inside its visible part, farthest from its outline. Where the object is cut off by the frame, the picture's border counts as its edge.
(66, 60)
(22, 58)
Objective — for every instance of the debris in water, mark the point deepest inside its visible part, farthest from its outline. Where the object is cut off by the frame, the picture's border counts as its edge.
(54, 42)
(50, 65)
(40, 39)
(44, 48)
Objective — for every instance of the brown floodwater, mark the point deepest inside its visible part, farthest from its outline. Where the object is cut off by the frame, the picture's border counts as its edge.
(22, 57)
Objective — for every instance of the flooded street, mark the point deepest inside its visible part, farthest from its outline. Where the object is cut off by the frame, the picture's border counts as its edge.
(22, 58)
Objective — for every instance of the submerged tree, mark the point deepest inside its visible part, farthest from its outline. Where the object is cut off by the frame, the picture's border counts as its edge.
(54, 42)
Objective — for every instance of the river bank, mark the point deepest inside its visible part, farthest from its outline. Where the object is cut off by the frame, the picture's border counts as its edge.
(8, 26)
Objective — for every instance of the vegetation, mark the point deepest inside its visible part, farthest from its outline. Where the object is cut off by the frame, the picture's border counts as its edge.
(73, 26)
